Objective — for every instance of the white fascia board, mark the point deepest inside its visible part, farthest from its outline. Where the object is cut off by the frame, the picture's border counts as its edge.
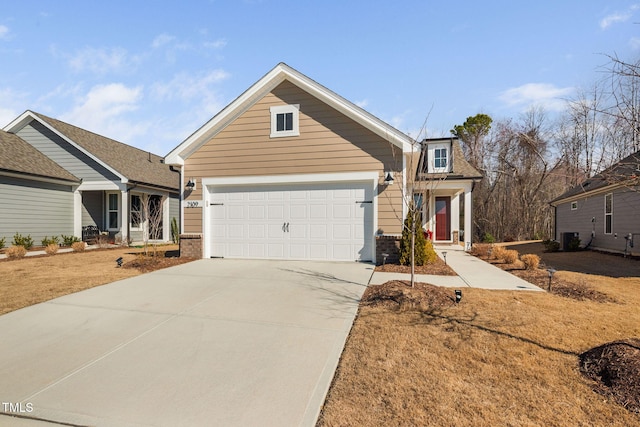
(267, 83)
(100, 186)
(38, 178)
(291, 179)
(26, 118)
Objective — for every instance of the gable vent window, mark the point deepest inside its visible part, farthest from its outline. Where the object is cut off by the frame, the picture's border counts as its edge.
(284, 120)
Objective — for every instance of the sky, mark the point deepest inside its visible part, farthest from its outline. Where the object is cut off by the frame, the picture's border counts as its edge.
(150, 73)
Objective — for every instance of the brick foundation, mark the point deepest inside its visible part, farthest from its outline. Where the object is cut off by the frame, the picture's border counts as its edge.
(388, 245)
(190, 246)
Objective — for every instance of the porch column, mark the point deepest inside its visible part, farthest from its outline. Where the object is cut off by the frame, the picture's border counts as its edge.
(468, 231)
(124, 217)
(77, 213)
(166, 219)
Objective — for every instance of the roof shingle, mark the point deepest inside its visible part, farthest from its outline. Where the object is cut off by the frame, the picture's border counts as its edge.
(136, 165)
(17, 155)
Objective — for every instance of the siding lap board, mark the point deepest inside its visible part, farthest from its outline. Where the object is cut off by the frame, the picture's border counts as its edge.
(329, 142)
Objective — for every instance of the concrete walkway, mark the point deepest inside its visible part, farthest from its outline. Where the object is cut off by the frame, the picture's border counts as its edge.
(208, 343)
(472, 273)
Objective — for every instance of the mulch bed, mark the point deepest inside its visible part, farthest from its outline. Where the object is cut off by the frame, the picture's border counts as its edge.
(615, 369)
(438, 268)
(580, 291)
(399, 295)
(147, 264)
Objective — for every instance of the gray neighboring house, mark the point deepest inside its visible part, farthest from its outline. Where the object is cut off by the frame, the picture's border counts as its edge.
(29, 182)
(603, 211)
(112, 181)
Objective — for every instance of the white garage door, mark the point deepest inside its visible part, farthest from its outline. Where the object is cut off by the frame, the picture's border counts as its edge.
(311, 221)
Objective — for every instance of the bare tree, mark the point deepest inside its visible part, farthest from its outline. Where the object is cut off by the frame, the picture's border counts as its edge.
(151, 215)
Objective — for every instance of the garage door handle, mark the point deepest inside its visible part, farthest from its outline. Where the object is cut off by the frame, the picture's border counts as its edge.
(285, 227)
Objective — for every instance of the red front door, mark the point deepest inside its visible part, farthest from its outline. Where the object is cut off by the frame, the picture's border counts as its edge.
(443, 208)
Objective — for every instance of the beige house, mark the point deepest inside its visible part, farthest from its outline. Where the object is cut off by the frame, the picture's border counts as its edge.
(291, 170)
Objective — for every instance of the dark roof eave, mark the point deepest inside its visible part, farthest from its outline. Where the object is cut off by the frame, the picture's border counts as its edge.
(38, 177)
(160, 187)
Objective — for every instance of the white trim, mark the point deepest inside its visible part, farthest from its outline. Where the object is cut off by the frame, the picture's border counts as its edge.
(403, 194)
(77, 213)
(257, 181)
(109, 210)
(29, 177)
(102, 186)
(292, 179)
(26, 117)
(276, 76)
(294, 110)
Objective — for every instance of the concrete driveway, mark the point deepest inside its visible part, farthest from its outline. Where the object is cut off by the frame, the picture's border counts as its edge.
(213, 342)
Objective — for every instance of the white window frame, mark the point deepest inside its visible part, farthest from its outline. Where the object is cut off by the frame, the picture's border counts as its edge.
(116, 210)
(608, 214)
(574, 206)
(294, 109)
(432, 158)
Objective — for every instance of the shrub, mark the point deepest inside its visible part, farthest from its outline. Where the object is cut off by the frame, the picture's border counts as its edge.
(2, 243)
(530, 261)
(498, 252)
(52, 248)
(488, 238)
(405, 244)
(481, 250)
(69, 240)
(54, 240)
(430, 255)
(574, 244)
(16, 252)
(510, 256)
(78, 246)
(20, 240)
(551, 245)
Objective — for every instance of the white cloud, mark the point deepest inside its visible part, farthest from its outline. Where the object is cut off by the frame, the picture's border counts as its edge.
(543, 94)
(106, 110)
(162, 40)
(216, 44)
(618, 17)
(102, 61)
(363, 103)
(186, 87)
(12, 104)
(4, 31)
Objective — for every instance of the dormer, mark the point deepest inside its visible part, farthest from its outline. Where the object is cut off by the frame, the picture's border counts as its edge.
(438, 157)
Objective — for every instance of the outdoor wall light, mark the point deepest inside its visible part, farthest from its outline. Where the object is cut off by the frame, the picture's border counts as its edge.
(388, 178)
(458, 295)
(191, 184)
(119, 261)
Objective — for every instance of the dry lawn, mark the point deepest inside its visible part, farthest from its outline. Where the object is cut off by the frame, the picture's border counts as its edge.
(32, 280)
(499, 358)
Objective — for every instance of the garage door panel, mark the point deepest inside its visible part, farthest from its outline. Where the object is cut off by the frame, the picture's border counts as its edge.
(297, 221)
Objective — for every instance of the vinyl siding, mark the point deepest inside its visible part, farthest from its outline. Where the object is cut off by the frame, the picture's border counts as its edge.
(93, 208)
(65, 154)
(329, 142)
(174, 211)
(626, 205)
(34, 208)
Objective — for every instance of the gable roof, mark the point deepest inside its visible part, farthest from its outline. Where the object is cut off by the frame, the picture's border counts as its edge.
(460, 167)
(130, 163)
(624, 172)
(262, 87)
(19, 157)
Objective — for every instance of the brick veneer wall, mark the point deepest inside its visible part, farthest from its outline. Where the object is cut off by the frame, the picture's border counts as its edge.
(388, 245)
(190, 246)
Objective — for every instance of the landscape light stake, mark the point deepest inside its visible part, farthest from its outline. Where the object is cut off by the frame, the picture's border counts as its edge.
(458, 295)
(119, 261)
(444, 254)
(384, 259)
(551, 271)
